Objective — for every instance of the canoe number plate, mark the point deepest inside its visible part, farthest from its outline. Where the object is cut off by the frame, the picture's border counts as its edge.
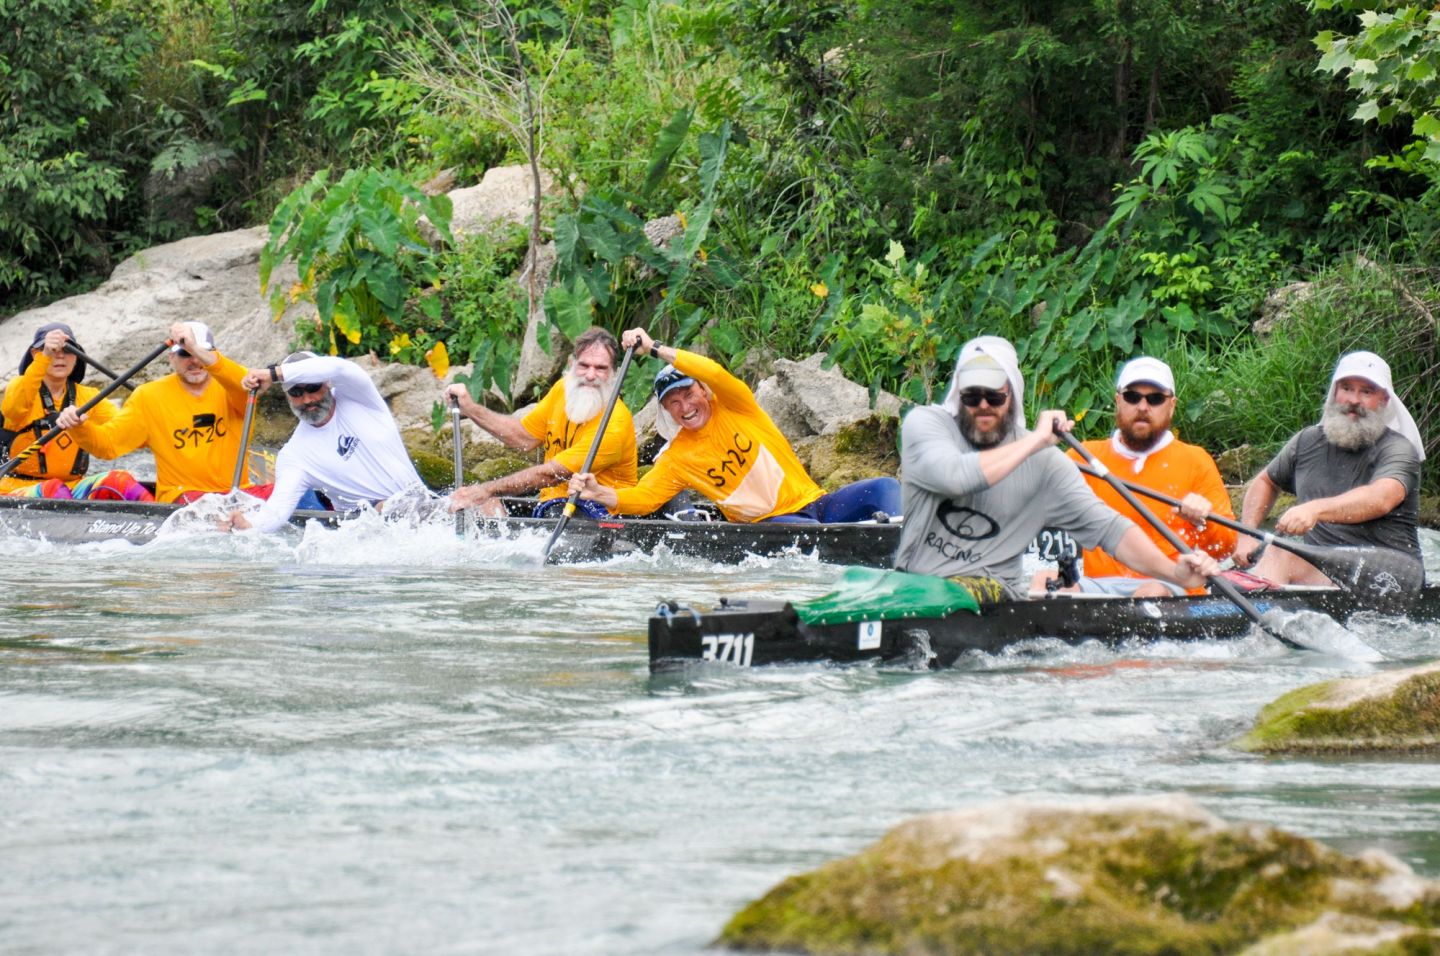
(1053, 544)
(869, 636)
(734, 649)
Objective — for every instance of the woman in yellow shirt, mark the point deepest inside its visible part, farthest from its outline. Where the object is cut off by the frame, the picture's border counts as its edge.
(723, 446)
(49, 381)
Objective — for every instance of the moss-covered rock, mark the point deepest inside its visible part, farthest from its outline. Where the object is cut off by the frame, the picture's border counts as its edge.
(1133, 876)
(1396, 711)
(434, 458)
(1336, 935)
(868, 448)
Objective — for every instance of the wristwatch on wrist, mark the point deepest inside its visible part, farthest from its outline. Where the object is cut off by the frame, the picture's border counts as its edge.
(274, 375)
(654, 349)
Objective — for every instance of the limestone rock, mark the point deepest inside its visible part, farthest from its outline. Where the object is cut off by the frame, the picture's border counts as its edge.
(501, 197)
(1279, 304)
(1389, 712)
(868, 448)
(1121, 875)
(805, 399)
(214, 279)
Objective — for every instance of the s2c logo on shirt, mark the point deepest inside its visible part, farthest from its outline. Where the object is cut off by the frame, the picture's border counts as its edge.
(204, 430)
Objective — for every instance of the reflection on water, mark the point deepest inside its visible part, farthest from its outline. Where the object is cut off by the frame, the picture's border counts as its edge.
(371, 741)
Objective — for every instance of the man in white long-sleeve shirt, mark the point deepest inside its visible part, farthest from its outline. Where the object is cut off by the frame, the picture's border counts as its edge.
(977, 485)
(346, 445)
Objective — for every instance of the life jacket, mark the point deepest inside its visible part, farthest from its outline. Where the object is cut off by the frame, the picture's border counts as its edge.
(21, 438)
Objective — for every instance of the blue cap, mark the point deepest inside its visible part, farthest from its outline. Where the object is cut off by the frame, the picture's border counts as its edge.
(669, 379)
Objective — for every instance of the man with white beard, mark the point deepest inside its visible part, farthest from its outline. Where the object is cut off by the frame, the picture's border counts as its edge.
(346, 445)
(565, 422)
(1355, 476)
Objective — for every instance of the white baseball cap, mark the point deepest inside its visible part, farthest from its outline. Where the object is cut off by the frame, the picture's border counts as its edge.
(203, 337)
(981, 371)
(1148, 370)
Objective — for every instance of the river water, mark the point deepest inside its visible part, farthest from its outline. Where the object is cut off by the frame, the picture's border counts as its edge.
(370, 740)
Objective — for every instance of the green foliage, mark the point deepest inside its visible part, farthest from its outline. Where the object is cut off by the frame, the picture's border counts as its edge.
(890, 336)
(602, 249)
(484, 315)
(360, 254)
(1390, 63)
(63, 65)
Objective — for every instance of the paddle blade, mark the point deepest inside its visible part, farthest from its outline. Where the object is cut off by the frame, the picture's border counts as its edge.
(1385, 579)
(1323, 634)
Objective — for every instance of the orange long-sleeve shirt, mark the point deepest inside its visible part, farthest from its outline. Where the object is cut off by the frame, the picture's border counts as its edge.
(1175, 470)
(195, 438)
(569, 443)
(21, 406)
(739, 459)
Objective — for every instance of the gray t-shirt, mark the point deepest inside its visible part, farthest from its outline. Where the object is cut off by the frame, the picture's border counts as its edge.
(1310, 467)
(955, 523)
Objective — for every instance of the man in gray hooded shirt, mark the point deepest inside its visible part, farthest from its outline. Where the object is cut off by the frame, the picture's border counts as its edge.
(978, 486)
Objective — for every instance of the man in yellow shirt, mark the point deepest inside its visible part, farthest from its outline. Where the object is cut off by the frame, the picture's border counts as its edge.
(565, 422)
(724, 446)
(191, 419)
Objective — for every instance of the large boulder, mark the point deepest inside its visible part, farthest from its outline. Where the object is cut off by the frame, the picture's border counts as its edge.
(1396, 711)
(214, 279)
(804, 398)
(868, 448)
(1122, 875)
(502, 197)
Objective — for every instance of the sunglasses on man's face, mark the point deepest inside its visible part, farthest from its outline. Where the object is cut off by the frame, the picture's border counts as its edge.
(295, 391)
(182, 354)
(1133, 397)
(972, 397)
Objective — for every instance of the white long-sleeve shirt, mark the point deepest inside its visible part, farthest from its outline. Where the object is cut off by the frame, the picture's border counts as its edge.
(355, 457)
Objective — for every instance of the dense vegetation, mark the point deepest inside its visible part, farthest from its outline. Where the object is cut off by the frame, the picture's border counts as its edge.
(873, 178)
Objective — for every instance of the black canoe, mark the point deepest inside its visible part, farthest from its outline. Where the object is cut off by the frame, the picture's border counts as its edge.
(869, 544)
(65, 521)
(751, 633)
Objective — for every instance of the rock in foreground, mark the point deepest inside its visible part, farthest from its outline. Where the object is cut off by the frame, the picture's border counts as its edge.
(1392, 712)
(1141, 875)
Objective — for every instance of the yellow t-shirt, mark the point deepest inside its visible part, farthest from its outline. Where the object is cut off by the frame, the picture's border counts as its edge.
(739, 459)
(195, 438)
(568, 443)
(21, 406)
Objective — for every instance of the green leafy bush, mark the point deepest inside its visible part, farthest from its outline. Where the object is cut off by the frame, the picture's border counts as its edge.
(360, 254)
(64, 64)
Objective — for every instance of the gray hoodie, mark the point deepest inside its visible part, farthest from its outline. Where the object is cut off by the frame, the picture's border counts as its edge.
(956, 524)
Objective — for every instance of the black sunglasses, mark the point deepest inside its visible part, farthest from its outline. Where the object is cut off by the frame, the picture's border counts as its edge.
(295, 391)
(1133, 397)
(181, 353)
(972, 397)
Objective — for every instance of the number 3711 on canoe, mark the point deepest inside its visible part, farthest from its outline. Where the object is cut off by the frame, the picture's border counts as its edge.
(728, 648)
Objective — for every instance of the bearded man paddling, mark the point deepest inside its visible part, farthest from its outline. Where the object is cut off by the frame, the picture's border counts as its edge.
(346, 445)
(1145, 451)
(565, 421)
(978, 486)
(1355, 476)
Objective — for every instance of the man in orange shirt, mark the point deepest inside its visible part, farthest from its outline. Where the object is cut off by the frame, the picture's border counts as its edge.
(565, 422)
(192, 419)
(723, 446)
(1144, 451)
